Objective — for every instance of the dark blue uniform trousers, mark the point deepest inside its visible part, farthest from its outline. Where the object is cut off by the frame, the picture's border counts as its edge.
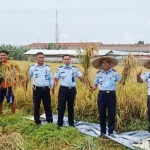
(40, 93)
(148, 111)
(107, 100)
(66, 95)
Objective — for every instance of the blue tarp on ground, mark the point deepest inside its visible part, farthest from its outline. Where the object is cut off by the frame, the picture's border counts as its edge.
(133, 139)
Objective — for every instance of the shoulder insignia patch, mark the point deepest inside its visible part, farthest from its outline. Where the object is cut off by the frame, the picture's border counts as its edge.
(74, 66)
(114, 70)
(31, 65)
(47, 65)
(99, 71)
(60, 66)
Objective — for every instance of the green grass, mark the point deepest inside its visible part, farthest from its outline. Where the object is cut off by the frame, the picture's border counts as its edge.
(131, 115)
(49, 137)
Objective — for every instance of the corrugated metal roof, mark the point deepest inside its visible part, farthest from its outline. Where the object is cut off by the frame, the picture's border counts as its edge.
(50, 52)
(104, 52)
(74, 53)
(121, 53)
(60, 52)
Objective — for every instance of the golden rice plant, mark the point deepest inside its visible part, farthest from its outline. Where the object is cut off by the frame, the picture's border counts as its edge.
(28, 79)
(11, 73)
(129, 64)
(11, 141)
(131, 99)
(85, 56)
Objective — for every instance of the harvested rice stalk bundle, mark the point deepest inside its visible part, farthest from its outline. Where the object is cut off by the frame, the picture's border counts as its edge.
(11, 141)
(129, 64)
(13, 75)
(85, 56)
(28, 79)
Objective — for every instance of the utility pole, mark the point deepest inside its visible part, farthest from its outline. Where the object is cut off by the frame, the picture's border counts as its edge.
(56, 30)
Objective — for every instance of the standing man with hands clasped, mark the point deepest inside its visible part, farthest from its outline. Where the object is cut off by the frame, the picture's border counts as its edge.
(42, 82)
(67, 91)
(105, 80)
(146, 78)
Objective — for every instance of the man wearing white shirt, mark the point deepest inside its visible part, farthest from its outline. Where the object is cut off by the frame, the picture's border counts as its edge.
(42, 82)
(146, 78)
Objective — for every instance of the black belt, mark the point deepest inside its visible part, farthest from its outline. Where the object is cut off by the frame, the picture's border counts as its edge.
(40, 87)
(107, 91)
(68, 87)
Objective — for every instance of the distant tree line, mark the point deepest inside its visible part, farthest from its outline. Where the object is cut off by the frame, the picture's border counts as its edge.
(53, 46)
(15, 53)
(140, 42)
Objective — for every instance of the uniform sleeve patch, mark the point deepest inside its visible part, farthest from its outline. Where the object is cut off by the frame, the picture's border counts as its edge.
(60, 66)
(32, 65)
(47, 65)
(114, 70)
(98, 71)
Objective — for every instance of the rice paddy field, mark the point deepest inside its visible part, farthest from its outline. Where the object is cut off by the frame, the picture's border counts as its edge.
(17, 133)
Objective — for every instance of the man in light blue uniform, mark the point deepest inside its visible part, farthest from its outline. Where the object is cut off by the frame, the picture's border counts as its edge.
(105, 80)
(67, 91)
(42, 80)
(146, 78)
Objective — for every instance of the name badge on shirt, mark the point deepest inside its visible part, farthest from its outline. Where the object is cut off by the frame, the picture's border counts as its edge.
(100, 76)
(35, 69)
(73, 76)
(73, 80)
(46, 77)
(36, 76)
(62, 72)
(113, 75)
(100, 83)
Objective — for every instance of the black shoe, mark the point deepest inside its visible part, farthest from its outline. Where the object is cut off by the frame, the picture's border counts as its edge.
(72, 125)
(59, 127)
(49, 121)
(112, 135)
(39, 124)
(102, 135)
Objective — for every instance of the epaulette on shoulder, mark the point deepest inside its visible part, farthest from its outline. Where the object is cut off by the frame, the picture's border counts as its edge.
(114, 70)
(60, 66)
(74, 66)
(99, 71)
(47, 65)
(31, 65)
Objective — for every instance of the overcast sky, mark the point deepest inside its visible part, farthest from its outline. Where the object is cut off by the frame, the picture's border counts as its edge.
(107, 21)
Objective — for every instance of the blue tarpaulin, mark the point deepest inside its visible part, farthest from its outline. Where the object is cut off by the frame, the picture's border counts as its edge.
(133, 139)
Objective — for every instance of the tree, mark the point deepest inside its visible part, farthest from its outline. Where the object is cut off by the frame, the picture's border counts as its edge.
(53, 46)
(140, 42)
(15, 53)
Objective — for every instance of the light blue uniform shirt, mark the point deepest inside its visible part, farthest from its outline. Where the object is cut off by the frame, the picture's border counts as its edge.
(146, 78)
(42, 75)
(67, 75)
(107, 81)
